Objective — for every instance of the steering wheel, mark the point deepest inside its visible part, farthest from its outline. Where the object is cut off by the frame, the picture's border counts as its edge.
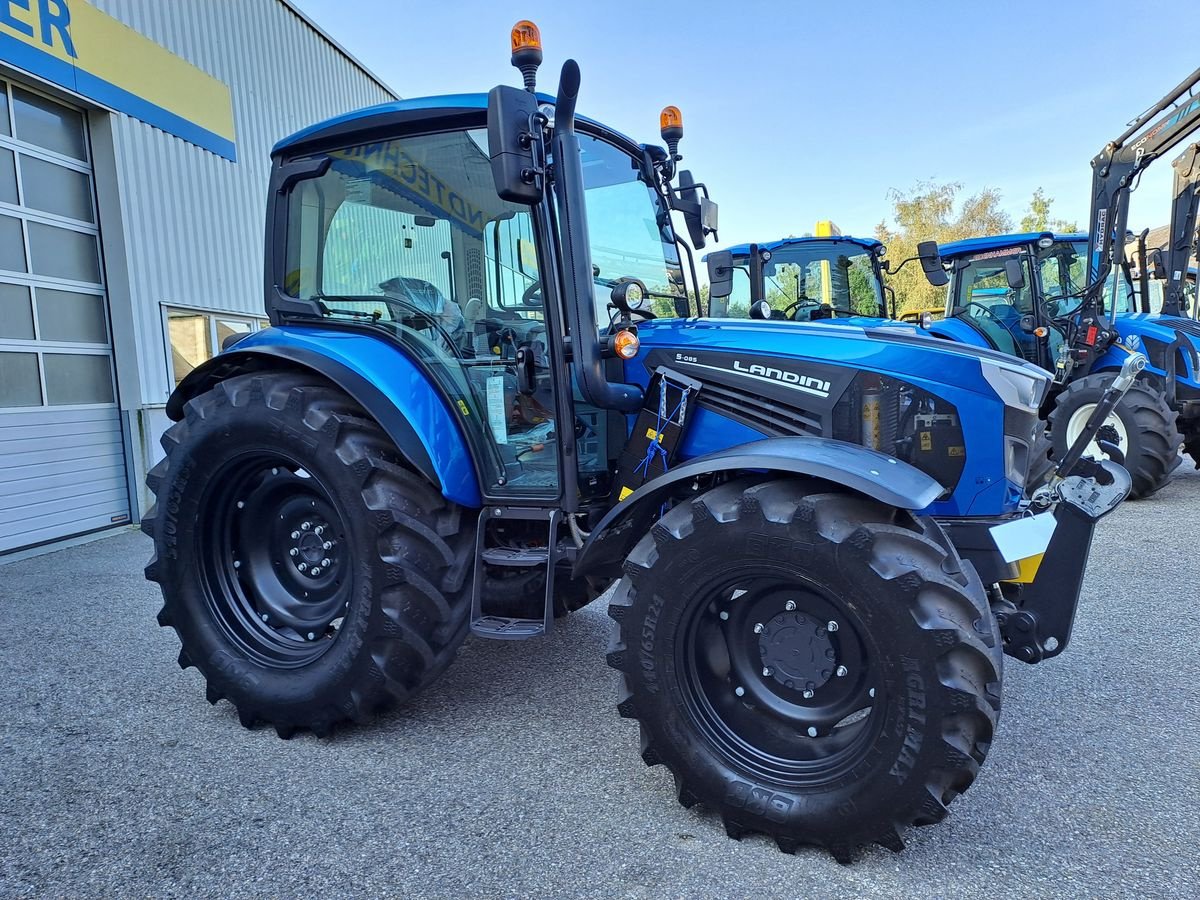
(789, 312)
(533, 290)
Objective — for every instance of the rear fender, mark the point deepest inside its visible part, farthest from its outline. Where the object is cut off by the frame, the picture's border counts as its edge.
(378, 375)
(860, 469)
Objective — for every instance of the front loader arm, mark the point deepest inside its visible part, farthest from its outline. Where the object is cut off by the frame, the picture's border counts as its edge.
(1181, 245)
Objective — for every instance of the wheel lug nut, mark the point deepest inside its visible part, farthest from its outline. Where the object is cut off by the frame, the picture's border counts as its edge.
(739, 690)
(293, 552)
(303, 567)
(237, 563)
(311, 636)
(325, 563)
(304, 526)
(295, 535)
(264, 617)
(808, 695)
(832, 626)
(275, 471)
(767, 670)
(241, 504)
(758, 628)
(840, 671)
(790, 605)
(723, 615)
(871, 692)
(316, 570)
(319, 530)
(812, 732)
(328, 545)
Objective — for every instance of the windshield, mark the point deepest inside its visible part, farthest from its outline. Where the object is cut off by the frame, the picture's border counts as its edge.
(811, 280)
(629, 229)
(1062, 270)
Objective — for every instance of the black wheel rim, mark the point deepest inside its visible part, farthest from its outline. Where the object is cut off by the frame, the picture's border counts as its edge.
(274, 559)
(777, 677)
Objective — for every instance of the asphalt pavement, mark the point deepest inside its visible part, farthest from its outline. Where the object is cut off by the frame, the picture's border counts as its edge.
(513, 775)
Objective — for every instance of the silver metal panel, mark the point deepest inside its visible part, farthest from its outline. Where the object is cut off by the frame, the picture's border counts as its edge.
(62, 472)
(192, 222)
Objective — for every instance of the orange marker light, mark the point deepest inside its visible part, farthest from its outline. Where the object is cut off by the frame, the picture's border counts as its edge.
(1041, 331)
(525, 36)
(670, 123)
(626, 344)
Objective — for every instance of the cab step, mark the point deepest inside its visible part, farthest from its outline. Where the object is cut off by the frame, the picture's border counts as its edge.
(505, 628)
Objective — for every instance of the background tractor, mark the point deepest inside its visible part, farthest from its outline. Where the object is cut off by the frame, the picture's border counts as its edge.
(1066, 303)
(809, 531)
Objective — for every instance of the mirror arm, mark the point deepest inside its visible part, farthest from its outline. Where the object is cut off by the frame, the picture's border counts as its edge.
(680, 243)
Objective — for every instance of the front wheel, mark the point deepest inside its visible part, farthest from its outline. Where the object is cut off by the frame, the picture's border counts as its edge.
(1142, 426)
(815, 666)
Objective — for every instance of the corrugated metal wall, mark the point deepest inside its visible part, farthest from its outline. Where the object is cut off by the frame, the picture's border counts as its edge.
(193, 222)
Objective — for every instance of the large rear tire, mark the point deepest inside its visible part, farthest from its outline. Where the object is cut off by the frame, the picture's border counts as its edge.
(1143, 424)
(310, 575)
(814, 666)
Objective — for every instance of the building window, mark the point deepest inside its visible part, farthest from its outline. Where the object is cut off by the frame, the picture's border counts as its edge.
(195, 336)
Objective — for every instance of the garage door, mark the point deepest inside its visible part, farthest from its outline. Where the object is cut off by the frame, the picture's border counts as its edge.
(62, 462)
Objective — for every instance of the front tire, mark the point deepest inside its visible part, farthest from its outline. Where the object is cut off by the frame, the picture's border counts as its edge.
(1143, 424)
(835, 735)
(310, 576)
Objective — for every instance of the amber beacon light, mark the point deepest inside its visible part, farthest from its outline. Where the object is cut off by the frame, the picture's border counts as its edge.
(527, 51)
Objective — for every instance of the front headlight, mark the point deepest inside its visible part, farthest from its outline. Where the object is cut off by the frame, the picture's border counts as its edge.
(1017, 385)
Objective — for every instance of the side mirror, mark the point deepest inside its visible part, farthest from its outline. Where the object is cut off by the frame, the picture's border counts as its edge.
(510, 145)
(1014, 274)
(699, 213)
(931, 263)
(720, 273)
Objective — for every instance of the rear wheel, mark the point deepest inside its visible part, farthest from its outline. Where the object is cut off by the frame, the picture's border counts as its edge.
(1142, 426)
(814, 666)
(311, 576)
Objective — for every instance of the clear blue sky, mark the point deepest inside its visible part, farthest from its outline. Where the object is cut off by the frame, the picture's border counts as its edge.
(798, 111)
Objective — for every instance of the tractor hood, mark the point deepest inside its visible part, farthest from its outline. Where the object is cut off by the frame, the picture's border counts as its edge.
(893, 349)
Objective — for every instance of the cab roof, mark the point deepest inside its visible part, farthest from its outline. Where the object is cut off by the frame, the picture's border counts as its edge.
(866, 243)
(413, 110)
(1003, 241)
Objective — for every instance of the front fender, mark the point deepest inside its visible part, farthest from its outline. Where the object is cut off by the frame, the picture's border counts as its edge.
(378, 375)
(865, 471)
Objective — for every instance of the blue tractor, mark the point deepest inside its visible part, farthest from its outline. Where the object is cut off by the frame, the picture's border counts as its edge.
(465, 419)
(1014, 293)
(1066, 303)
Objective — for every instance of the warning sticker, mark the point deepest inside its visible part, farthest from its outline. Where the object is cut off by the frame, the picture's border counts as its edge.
(496, 411)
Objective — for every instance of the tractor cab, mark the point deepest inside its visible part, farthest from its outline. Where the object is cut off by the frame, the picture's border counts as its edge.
(1013, 292)
(804, 279)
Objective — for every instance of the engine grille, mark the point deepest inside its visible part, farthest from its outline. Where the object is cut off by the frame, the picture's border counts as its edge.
(760, 413)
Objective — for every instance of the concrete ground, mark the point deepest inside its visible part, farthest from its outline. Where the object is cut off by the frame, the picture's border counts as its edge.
(513, 776)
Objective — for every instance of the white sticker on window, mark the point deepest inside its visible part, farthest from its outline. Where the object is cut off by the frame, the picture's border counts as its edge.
(497, 413)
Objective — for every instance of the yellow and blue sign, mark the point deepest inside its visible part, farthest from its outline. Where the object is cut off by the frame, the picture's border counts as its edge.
(74, 45)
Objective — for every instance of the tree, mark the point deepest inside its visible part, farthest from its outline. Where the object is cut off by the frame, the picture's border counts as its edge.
(1038, 217)
(932, 211)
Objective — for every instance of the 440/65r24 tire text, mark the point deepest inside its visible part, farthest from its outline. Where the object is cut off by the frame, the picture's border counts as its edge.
(813, 665)
(310, 575)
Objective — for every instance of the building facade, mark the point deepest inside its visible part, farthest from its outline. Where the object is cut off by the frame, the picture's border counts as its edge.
(134, 156)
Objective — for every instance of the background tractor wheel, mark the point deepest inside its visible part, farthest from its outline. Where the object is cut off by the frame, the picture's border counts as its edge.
(309, 574)
(1143, 426)
(814, 666)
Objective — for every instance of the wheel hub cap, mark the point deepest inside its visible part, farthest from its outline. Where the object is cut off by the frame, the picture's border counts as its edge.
(797, 650)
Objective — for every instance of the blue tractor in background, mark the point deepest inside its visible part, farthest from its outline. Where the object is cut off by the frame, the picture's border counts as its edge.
(1014, 293)
(1066, 303)
(465, 419)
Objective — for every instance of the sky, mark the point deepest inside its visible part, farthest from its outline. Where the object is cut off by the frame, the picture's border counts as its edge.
(801, 111)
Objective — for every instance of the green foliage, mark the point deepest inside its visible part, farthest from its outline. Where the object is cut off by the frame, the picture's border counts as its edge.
(1038, 218)
(932, 211)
